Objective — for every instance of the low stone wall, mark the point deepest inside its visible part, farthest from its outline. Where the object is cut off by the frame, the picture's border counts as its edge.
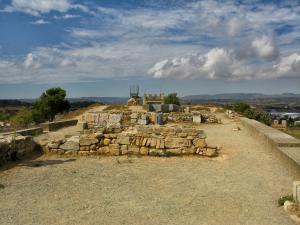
(56, 125)
(25, 132)
(128, 118)
(14, 147)
(285, 145)
(139, 140)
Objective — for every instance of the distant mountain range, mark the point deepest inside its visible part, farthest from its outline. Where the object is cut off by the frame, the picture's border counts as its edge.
(239, 96)
(192, 98)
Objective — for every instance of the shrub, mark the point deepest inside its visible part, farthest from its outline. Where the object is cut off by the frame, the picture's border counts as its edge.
(22, 118)
(172, 99)
(241, 107)
(285, 198)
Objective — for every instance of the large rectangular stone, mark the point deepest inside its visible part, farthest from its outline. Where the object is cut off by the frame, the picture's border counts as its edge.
(177, 142)
(296, 191)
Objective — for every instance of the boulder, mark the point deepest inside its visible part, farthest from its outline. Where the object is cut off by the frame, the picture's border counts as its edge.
(88, 141)
(71, 143)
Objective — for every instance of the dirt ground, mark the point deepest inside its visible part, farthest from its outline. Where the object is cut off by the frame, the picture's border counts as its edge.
(241, 186)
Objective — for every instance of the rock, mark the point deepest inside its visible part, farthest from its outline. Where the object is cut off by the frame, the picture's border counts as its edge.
(199, 143)
(103, 150)
(144, 151)
(176, 142)
(123, 140)
(71, 144)
(106, 141)
(124, 149)
(53, 145)
(295, 218)
(211, 152)
(173, 151)
(144, 142)
(157, 152)
(182, 135)
(98, 135)
(236, 129)
(134, 149)
(83, 153)
(290, 207)
(153, 142)
(114, 149)
(88, 141)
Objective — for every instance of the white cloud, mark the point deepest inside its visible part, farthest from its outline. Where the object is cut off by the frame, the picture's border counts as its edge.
(39, 22)
(38, 7)
(223, 64)
(264, 47)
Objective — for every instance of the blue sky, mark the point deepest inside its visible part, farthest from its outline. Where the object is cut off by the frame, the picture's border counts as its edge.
(100, 48)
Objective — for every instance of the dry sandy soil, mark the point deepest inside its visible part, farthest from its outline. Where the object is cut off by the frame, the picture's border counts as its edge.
(241, 186)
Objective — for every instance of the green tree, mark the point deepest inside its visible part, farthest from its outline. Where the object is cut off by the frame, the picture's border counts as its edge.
(172, 99)
(241, 107)
(22, 118)
(49, 104)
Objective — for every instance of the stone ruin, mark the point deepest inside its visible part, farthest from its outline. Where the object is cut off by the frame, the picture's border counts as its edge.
(128, 118)
(140, 140)
(15, 146)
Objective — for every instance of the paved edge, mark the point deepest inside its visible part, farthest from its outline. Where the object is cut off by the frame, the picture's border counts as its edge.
(286, 145)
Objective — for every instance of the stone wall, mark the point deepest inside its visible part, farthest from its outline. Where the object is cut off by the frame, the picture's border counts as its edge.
(25, 132)
(56, 125)
(127, 118)
(139, 140)
(14, 147)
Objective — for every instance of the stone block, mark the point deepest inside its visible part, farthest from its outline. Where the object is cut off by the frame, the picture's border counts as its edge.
(71, 144)
(123, 140)
(173, 151)
(211, 152)
(199, 143)
(157, 152)
(177, 142)
(83, 153)
(114, 149)
(124, 149)
(103, 150)
(106, 141)
(144, 142)
(153, 142)
(132, 149)
(144, 151)
(296, 191)
(85, 141)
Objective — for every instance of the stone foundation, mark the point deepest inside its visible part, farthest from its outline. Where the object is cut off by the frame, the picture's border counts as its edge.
(139, 140)
(14, 147)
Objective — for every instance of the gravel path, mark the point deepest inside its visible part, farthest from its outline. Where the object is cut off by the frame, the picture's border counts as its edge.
(239, 187)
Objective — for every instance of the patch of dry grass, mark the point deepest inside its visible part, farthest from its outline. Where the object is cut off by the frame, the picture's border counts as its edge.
(116, 107)
(78, 112)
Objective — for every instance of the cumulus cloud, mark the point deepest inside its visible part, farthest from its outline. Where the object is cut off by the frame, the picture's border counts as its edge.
(220, 63)
(38, 7)
(265, 47)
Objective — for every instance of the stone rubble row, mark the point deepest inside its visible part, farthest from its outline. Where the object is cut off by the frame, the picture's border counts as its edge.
(140, 140)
